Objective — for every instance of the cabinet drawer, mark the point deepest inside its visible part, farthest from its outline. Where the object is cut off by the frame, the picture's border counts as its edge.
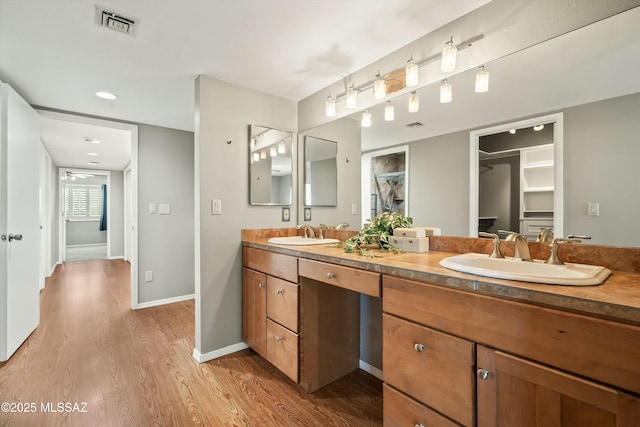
(588, 346)
(430, 366)
(282, 302)
(274, 264)
(364, 282)
(282, 349)
(401, 410)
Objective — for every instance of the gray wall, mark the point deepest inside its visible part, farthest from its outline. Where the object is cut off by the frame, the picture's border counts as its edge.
(116, 214)
(223, 112)
(165, 242)
(601, 155)
(439, 183)
(85, 233)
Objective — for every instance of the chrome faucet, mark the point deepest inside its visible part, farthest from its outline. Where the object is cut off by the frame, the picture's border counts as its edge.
(496, 244)
(521, 246)
(308, 230)
(342, 226)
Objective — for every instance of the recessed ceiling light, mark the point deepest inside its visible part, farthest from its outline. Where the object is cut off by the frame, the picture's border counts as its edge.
(105, 95)
(94, 141)
(93, 163)
(512, 131)
(92, 154)
(538, 127)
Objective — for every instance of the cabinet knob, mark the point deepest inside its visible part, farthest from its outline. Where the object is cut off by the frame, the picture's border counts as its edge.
(483, 374)
(260, 285)
(278, 339)
(418, 347)
(420, 425)
(279, 291)
(330, 275)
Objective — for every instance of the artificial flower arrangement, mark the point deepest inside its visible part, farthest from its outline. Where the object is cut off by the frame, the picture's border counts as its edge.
(377, 231)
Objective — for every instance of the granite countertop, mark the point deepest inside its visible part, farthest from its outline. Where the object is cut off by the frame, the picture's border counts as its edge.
(618, 298)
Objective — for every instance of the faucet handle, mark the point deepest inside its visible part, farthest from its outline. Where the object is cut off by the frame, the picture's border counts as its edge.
(577, 237)
(554, 245)
(496, 244)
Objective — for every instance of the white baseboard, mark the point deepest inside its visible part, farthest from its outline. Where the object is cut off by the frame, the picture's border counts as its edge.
(201, 358)
(166, 301)
(85, 245)
(371, 369)
(116, 257)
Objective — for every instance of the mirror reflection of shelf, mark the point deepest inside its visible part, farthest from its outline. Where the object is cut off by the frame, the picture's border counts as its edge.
(537, 189)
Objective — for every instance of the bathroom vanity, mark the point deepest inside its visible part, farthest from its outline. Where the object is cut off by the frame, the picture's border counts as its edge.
(458, 349)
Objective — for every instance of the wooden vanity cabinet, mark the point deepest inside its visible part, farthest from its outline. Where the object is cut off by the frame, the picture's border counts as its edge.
(270, 307)
(534, 366)
(513, 391)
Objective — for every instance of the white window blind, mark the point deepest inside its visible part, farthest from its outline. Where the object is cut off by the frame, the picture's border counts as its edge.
(83, 202)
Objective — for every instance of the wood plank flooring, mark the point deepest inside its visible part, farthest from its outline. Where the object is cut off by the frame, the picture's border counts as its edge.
(134, 368)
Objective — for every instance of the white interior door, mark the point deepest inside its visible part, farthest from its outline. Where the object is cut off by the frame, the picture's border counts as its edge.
(20, 224)
(127, 214)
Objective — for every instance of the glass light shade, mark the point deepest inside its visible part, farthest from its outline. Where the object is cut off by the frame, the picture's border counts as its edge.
(379, 88)
(389, 112)
(273, 151)
(482, 80)
(263, 154)
(448, 57)
(366, 119)
(411, 74)
(252, 145)
(281, 147)
(330, 105)
(352, 98)
(255, 157)
(446, 92)
(414, 103)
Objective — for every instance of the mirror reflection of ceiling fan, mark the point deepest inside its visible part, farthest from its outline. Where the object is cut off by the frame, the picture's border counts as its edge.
(77, 175)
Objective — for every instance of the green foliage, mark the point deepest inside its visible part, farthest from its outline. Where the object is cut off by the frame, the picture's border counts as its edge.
(377, 231)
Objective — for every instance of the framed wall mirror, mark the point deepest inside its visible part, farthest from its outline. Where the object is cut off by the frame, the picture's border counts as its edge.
(320, 172)
(270, 166)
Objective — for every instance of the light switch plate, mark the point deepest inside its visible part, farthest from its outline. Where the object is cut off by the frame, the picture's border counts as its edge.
(216, 207)
(153, 208)
(354, 209)
(593, 209)
(164, 208)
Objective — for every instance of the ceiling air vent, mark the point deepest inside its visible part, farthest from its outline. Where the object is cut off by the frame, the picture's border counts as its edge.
(414, 125)
(114, 20)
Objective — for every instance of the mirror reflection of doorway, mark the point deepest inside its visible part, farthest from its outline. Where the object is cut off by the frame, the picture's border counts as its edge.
(385, 182)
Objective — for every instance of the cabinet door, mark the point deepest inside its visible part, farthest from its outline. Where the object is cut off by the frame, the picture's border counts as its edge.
(254, 310)
(516, 392)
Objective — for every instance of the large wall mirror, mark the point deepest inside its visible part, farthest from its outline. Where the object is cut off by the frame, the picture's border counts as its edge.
(320, 172)
(270, 166)
(594, 86)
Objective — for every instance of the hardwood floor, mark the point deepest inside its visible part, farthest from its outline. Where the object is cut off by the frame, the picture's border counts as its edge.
(134, 368)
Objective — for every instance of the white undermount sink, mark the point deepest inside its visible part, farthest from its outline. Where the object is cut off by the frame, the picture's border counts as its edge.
(537, 271)
(300, 241)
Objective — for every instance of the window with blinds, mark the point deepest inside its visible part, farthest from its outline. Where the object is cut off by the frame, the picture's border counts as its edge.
(82, 202)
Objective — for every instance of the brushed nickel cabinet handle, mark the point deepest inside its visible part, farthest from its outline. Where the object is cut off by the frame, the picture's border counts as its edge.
(483, 374)
(330, 275)
(419, 347)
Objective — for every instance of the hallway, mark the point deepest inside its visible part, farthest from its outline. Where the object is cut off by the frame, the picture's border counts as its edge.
(110, 366)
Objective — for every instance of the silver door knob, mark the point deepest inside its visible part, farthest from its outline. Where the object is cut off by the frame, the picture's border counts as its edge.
(15, 237)
(330, 275)
(418, 347)
(279, 291)
(483, 374)
(278, 339)
(260, 285)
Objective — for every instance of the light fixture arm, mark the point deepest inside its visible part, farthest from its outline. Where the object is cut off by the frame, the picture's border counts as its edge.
(434, 58)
